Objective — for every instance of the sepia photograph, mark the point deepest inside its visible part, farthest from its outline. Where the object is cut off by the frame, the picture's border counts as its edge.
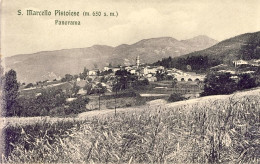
(130, 81)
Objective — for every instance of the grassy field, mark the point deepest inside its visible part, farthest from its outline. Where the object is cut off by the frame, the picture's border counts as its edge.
(213, 131)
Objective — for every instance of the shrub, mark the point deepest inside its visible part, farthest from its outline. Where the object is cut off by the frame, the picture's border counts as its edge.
(77, 106)
(246, 81)
(176, 97)
(140, 84)
(219, 83)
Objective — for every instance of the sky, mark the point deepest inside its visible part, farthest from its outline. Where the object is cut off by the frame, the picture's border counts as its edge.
(136, 20)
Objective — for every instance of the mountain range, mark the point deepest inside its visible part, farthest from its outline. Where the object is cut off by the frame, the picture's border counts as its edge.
(54, 64)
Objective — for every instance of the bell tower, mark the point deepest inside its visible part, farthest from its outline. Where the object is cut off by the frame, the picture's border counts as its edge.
(137, 61)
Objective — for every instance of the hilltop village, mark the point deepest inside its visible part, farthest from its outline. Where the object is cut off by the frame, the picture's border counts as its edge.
(161, 79)
(149, 72)
(106, 78)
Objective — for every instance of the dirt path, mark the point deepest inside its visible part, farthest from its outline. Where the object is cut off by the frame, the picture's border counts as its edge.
(97, 113)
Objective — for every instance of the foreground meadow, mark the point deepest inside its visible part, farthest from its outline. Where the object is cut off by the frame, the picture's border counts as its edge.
(225, 130)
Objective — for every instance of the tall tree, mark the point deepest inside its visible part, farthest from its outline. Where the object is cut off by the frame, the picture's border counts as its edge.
(84, 74)
(123, 77)
(10, 90)
(1, 88)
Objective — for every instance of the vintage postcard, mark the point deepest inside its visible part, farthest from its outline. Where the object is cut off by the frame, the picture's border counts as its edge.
(129, 81)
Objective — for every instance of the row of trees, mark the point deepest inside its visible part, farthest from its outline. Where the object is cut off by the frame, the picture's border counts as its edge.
(225, 83)
(190, 63)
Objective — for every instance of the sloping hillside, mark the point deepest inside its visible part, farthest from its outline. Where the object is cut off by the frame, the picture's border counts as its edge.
(54, 64)
(233, 48)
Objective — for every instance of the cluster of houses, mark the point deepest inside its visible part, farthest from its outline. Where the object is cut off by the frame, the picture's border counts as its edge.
(240, 62)
(237, 65)
(149, 72)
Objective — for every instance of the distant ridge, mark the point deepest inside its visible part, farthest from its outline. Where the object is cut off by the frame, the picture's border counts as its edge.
(201, 41)
(54, 64)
